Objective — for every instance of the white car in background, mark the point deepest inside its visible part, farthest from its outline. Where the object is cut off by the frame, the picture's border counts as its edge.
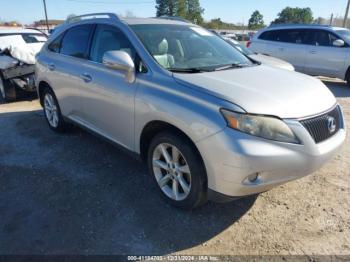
(18, 48)
(312, 49)
(264, 59)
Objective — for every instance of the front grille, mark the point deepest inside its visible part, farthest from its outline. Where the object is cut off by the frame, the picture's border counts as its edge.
(324, 126)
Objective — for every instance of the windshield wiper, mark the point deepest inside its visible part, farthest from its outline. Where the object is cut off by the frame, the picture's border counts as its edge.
(229, 66)
(188, 70)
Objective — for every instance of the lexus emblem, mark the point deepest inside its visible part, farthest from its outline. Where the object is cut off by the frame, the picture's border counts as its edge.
(332, 126)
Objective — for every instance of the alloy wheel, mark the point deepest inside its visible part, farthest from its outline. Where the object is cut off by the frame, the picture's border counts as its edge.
(51, 110)
(172, 172)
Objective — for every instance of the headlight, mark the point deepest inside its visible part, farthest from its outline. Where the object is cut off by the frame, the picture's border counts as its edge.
(261, 126)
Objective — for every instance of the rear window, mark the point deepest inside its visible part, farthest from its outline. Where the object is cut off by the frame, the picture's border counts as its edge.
(29, 38)
(76, 41)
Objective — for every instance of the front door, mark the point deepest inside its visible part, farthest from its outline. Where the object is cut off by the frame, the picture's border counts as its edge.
(108, 98)
(323, 58)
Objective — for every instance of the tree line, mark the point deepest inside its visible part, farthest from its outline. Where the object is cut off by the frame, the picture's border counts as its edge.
(192, 11)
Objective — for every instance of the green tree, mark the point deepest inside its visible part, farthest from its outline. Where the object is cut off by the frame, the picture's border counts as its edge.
(296, 15)
(195, 11)
(166, 7)
(181, 8)
(188, 9)
(256, 21)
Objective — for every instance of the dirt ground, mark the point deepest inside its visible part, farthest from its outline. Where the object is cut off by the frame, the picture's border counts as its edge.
(76, 194)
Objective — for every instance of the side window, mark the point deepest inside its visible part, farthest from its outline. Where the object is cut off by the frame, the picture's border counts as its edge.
(76, 40)
(55, 45)
(109, 38)
(325, 38)
(289, 36)
(309, 37)
(268, 35)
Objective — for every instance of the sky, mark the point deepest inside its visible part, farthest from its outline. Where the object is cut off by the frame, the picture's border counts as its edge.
(235, 11)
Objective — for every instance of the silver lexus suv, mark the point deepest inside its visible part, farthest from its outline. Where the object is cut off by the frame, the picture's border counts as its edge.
(210, 122)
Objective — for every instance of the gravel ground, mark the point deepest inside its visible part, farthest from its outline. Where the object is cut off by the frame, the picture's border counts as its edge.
(76, 194)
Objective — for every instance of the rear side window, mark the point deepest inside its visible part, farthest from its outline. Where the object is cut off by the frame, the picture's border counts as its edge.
(76, 41)
(293, 36)
(109, 38)
(268, 35)
(55, 45)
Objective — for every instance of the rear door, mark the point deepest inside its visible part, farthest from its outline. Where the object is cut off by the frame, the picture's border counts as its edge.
(66, 66)
(323, 58)
(287, 45)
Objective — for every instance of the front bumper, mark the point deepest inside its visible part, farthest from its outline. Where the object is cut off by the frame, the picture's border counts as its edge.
(231, 156)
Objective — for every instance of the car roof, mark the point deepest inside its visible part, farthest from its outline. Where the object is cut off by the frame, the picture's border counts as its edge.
(18, 31)
(302, 26)
(159, 21)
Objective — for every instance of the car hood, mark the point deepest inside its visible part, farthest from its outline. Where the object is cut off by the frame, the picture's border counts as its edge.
(265, 90)
(272, 61)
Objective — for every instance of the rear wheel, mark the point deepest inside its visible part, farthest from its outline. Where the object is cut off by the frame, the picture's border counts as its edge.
(52, 111)
(178, 171)
(8, 91)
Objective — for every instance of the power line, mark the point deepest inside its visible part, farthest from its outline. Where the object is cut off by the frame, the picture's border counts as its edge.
(111, 3)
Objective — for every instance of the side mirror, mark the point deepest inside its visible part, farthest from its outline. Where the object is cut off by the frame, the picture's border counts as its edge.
(339, 43)
(121, 61)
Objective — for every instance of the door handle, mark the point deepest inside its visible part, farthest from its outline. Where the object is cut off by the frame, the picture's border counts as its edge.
(281, 49)
(313, 52)
(51, 67)
(86, 77)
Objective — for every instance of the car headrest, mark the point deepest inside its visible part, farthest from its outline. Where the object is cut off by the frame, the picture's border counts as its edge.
(163, 47)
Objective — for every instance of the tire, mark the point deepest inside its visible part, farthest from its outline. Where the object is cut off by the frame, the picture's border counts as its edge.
(8, 91)
(180, 175)
(52, 112)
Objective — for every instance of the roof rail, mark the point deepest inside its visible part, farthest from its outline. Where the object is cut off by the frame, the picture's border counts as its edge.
(282, 25)
(174, 18)
(92, 16)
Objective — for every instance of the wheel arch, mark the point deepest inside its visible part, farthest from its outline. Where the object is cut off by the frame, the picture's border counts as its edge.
(155, 127)
(41, 87)
(347, 74)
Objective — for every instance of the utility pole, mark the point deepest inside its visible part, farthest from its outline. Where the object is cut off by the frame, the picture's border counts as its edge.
(331, 21)
(346, 14)
(47, 21)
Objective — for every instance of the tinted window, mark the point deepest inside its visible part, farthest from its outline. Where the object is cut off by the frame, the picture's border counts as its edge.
(319, 38)
(286, 36)
(75, 42)
(289, 36)
(55, 45)
(269, 35)
(109, 38)
(324, 38)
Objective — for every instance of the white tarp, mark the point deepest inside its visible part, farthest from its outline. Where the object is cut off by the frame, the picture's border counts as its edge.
(19, 49)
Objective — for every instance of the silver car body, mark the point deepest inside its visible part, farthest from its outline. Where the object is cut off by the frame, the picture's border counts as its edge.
(121, 111)
(264, 59)
(305, 56)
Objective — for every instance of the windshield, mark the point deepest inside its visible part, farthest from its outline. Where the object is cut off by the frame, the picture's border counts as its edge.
(186, 48)
(345, 34)
(29, 38)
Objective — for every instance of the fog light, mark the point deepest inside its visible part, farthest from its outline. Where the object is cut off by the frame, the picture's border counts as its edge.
(253, 177)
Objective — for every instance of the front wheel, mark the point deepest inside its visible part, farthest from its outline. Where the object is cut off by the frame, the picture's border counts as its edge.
(178, 170)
